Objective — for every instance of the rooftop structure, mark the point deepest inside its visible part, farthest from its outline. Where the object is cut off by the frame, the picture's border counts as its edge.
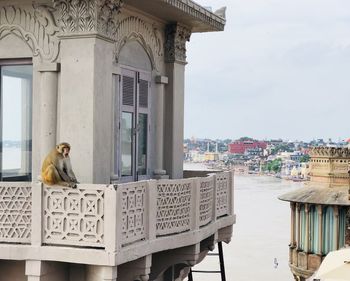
(320, 211)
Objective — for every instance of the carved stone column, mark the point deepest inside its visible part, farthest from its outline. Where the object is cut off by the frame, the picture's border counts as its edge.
(176, 37)
(320, 234)
(159, 171)
(336, 227)
(48, 106)
(298, 225)
(292, 224)
(87, 37)
(307, 228)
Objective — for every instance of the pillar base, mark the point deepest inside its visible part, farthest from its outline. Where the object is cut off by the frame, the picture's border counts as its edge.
(159, 174)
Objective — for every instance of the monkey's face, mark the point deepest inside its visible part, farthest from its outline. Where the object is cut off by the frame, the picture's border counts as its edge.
(65, 152)
(63, 148)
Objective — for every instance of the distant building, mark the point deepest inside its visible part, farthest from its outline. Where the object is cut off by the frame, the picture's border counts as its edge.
(240, 147)
(320, 211)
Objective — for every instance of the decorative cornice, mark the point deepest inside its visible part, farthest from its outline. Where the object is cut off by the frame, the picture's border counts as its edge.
(88, 16)
(198, 12)
(176, 37)
(35, 26)
(133, 28)
(329, 152)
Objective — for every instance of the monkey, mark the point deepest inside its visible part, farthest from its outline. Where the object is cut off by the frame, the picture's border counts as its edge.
(57, 169)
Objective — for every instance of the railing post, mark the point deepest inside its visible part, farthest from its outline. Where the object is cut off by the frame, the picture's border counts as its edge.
(195, 203)
(151, 211)
(110, 223)
(214, 198)
(231, 193)
(37, 214)
(118, 220)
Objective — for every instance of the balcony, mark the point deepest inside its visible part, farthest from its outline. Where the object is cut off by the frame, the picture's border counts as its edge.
(111, 225)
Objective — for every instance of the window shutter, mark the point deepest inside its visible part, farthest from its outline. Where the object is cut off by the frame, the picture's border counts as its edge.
(128, 90)
(143, 94)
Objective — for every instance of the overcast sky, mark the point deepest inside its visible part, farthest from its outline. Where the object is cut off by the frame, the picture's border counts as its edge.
(281, 69)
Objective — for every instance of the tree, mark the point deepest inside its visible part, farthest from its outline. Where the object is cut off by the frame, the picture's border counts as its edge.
(275, 165)
(305, 158)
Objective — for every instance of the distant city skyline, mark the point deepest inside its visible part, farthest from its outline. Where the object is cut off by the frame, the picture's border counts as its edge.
(279, 70)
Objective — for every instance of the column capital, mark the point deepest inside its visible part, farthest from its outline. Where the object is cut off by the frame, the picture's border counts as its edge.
(87, 16)
(307, 208)
(176, 37)
(336, 211)
(48, 67)
(292, 206)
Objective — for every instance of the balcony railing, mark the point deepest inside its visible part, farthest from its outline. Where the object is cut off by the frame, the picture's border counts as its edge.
(113, 218)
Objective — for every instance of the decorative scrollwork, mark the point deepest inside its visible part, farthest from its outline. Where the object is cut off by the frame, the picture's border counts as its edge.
(88, 16)
(35, 26)
(176, 37)
(133, 28)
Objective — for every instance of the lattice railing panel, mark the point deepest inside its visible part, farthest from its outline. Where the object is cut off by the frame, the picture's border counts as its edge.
(173, 206)
(74, 216)
(133, 200)
(222, 193)
(206, 200)
(15, 212)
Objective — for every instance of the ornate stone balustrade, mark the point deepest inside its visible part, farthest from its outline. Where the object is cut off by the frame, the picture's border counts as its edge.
(15, 212)
(116, 223)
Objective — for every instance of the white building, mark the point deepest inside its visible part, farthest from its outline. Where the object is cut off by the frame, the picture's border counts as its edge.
(107, 76)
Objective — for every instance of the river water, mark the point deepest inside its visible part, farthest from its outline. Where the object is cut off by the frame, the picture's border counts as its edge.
(261, 233)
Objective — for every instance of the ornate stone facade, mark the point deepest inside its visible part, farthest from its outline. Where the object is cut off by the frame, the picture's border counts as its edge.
(330, 164)
(35, 26)
(88, 16)
(176, 37)
(134, 28)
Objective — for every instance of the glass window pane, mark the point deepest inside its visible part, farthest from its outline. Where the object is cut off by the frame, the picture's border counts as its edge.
(126, 144)
(142, 144)
(16, 96)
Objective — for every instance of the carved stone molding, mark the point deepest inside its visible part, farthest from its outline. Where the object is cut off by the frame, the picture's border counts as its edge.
(133, 28)
(330, 152)
(107, 11)
(35, 26)
(176, 37)
(88, 16)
